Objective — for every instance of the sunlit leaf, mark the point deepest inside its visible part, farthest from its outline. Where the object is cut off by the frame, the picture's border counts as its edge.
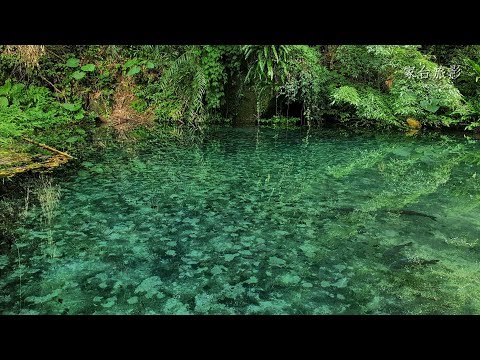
(5, 89)
(71, 107)
(3, 101)
(130, 63)
(77, 75)
(134, 70)
(88, 67)
(73, 62)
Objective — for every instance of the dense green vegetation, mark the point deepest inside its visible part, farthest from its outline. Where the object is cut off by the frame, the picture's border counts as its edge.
(166, 208)
(47, 89)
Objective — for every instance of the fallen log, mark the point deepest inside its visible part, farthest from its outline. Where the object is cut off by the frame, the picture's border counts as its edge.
(21, 163)
(49, 148)
(47, 165)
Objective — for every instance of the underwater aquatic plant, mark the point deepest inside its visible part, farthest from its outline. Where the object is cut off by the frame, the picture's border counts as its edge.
(48, 195)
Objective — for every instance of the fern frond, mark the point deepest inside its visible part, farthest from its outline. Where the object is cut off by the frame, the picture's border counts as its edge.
(197, 106)
(169, 75)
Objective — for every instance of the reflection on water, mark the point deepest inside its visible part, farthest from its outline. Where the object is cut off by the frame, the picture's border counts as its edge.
(255, 222)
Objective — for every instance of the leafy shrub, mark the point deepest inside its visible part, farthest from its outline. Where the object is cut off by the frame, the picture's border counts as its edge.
(308, 82)
(29, 110)
(368, 69)
(280, 121)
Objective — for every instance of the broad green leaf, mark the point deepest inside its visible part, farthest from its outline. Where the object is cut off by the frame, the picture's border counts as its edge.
(134, 70)
(98, 169)
(72, 139)
(17, 88)
(87, 164)
(270, 69)
(150, 65)
(88, 67)
(5, 89)
(261, 64)
(249, 73)
(474, 65)
(78, 75)
(130, 63)
(275, 52)
(429, 106)
(71, 107)
(3, 101)
(73, 62)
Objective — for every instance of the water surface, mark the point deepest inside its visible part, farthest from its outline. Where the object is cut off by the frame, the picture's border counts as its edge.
(255, 221)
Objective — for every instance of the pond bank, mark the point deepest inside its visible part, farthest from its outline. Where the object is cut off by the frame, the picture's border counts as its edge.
(16, 160)
(13, 163)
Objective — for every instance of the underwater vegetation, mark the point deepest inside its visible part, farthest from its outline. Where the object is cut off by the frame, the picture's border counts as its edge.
(252, 221)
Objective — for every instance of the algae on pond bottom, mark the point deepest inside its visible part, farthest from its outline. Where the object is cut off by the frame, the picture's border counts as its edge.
(257, 222)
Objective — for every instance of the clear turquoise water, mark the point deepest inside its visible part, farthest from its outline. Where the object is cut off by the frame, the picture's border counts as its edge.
(256, 222)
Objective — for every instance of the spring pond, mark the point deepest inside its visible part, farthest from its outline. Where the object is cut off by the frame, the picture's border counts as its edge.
(254, 221)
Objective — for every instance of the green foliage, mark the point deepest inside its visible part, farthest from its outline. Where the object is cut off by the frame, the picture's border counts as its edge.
(136, 65)
(186, 81)
(71, 107)
(267, 62)
(134, 70)
(214, 71)
(32, 110)
(280, 121)
(88, 67)
(193, 85)
(5, 88)
(367, 69)
(346, 94)
(368, 104)
(78, 75)
(197, 85)
(473, 126)
(3, 101)
(73, 62)
(308, 82)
